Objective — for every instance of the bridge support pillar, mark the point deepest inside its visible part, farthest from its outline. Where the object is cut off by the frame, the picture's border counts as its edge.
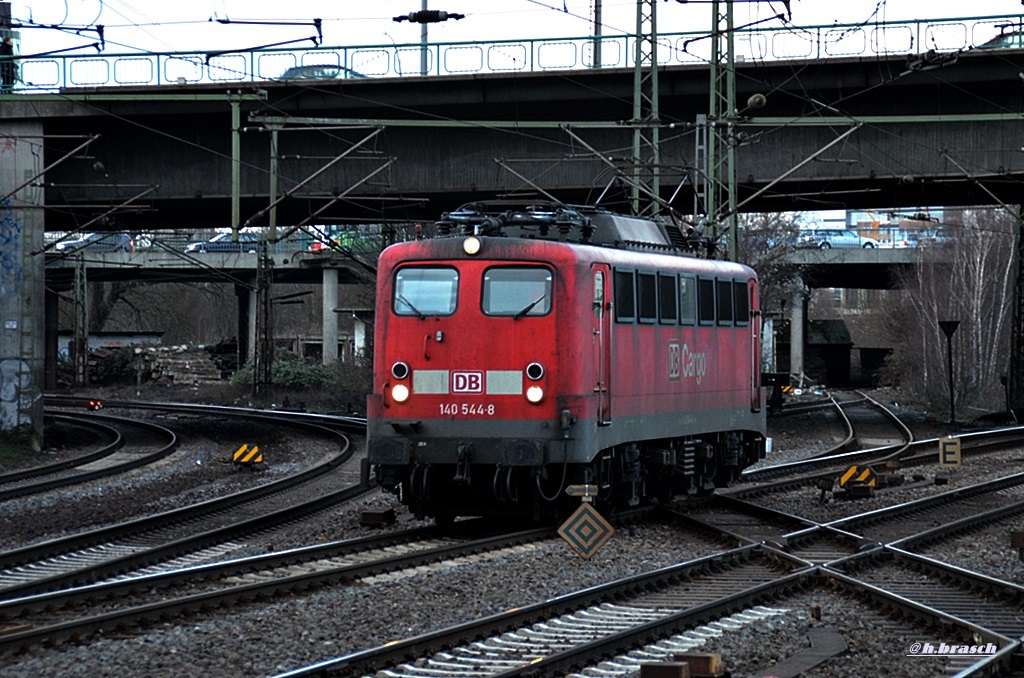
(797, 312)
(330, 317)
(22, 287)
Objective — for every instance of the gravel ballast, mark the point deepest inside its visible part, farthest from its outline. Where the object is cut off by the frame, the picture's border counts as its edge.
(271, 637)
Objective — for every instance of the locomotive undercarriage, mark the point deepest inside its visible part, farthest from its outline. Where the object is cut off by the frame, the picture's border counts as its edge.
(625, 475)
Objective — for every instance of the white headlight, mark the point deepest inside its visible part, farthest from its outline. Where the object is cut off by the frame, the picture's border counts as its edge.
(535, 394)
(400, 392)
(471, 245)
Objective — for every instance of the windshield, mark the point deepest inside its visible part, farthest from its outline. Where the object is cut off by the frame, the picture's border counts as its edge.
(423, 291)
(517, 291)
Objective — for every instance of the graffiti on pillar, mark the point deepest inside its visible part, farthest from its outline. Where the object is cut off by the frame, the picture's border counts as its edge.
(15, 394)
(10, 251)
(8, 144)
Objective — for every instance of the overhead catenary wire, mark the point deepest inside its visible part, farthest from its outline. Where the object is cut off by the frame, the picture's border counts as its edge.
(546, 140)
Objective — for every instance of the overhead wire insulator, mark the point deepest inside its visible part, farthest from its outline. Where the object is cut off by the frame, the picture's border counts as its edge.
(428, 16)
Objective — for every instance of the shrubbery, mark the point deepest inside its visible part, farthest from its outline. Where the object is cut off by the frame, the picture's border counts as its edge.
(292, 372)
(120, 364)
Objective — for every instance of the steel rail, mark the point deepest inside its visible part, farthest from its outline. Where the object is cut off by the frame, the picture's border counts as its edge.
(55, 600)
(935, 618)
(142, 460)
(149, 556)
(839, 452)
(115, 441)
(579, 658)
(957, 526)
(16, 640)
(76, 543)
(925, 503)
(917, 452)
(359, 663)
(348, 423)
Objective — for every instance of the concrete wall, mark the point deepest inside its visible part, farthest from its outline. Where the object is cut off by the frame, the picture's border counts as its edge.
(21, 284)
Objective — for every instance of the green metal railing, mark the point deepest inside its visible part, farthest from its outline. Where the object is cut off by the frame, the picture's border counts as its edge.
(764, 42)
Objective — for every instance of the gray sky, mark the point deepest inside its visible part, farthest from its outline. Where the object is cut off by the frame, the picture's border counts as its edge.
(186, 25)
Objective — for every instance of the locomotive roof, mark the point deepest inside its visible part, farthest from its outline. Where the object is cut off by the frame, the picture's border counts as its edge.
(584, 225)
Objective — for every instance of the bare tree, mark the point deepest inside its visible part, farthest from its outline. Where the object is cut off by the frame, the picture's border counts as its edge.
(103, 297)
(763, 243)
(969, 280)
(186, 312)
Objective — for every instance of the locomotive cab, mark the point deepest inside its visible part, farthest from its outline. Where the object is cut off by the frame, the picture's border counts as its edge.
(469, 387)
(507, 368)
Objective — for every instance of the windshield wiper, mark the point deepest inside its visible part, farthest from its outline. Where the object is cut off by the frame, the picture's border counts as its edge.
(529, 307)
(401, 298)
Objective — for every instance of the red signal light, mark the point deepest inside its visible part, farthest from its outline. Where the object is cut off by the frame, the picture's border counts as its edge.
(95, 405)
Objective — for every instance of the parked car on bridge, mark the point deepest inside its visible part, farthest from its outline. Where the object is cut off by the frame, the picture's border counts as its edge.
(97, 242)
(899, 239)
(941, 236)
(247, 242)
(827, 238)
(1009, 39)
(320, 72)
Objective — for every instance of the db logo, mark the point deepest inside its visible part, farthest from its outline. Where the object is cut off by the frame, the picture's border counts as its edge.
(674, 361)
(467, 382)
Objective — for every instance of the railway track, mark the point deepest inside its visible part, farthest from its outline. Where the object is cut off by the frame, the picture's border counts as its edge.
(741, 522)
(184, 536)
(982, 602)
(613, 656)
(823, 469)
(681, 607)
(929, 518)
(861, 420)
(199, 531)
(128, 602)
(525, 636)
(650, 618)
(625, 633)
(141, 443)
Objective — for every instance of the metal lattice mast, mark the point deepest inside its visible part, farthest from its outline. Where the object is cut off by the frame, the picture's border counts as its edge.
(1015, 385)
(263, 355)
(715, 191)
(80, 354)
(646, 154)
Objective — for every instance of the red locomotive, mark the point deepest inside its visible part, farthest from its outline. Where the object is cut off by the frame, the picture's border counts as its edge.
(522, 352)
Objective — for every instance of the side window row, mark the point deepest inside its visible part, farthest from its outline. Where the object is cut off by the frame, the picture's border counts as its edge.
(668, 298)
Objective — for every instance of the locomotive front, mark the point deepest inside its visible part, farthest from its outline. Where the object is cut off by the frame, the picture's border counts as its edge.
(471, 399)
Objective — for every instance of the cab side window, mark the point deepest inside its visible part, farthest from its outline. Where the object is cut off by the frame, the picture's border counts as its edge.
(706, 301)
(625, 297)
(723, 298)
(668, 308)
(647, 297)
(687, 300)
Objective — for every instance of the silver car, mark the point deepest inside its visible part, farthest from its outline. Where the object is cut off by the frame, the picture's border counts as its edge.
(827, 238)
(97, 242)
